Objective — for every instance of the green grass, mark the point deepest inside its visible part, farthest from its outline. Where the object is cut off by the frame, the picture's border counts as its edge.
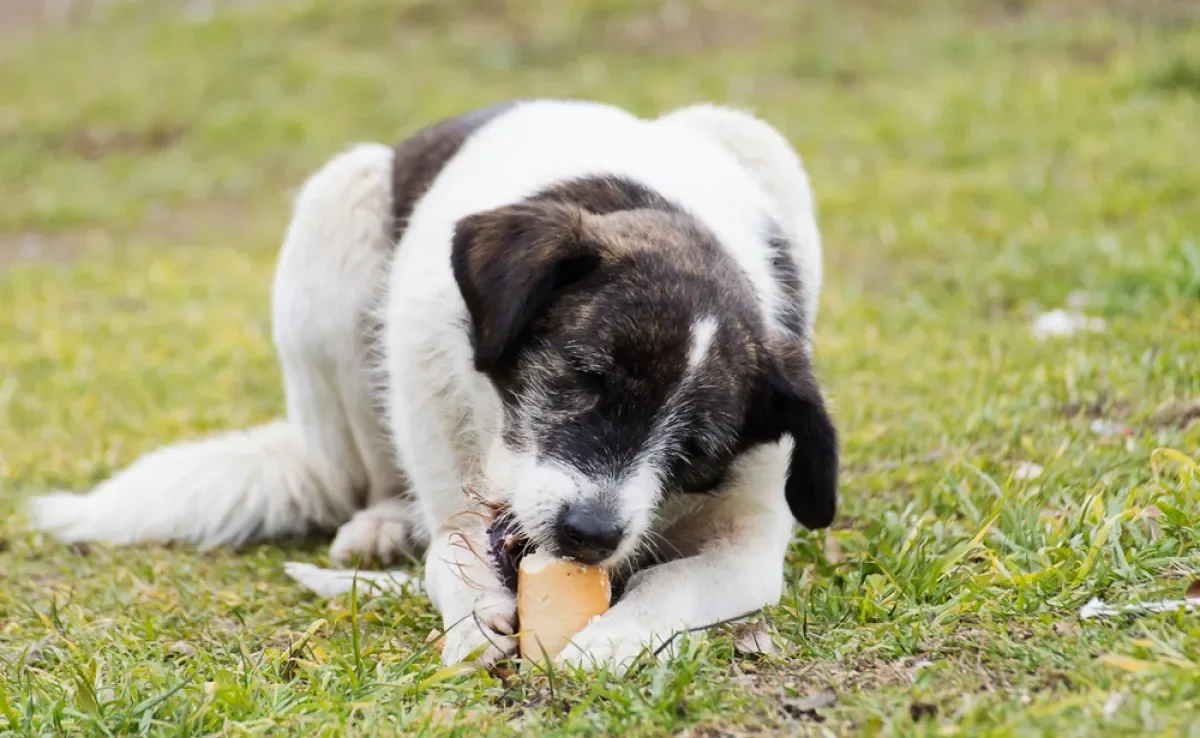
(975, 162)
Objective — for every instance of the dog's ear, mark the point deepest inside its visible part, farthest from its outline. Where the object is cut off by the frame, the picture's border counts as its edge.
(789, 402)
(509, 263)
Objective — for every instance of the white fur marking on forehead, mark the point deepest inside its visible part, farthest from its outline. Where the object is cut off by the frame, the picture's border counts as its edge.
(703, 332)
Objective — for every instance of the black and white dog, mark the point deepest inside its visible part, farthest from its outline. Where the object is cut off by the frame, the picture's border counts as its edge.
(602, 321)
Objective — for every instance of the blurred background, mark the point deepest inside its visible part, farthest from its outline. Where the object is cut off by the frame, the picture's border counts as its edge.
(973, 161)
(977, 163)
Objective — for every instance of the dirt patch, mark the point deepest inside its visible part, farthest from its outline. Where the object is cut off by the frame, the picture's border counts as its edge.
(25, 16)
(1099, 407)
(1151, 11)
(160, 226)
(859, 675)
(17, 248)
(1144, 11)
(662, 28)
(96, 143)
(20, 15)
(1180, 414)
(682, 28)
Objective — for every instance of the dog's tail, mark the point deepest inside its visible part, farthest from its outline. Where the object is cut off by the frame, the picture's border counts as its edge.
(222, 490)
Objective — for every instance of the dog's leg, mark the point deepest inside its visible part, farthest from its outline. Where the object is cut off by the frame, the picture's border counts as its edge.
(739, 541)
(284, 478)
(478, 612)
(381, 534)
(332, 276)
(433, 426)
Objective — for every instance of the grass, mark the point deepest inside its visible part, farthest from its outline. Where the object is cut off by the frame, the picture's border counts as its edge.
(975, 162)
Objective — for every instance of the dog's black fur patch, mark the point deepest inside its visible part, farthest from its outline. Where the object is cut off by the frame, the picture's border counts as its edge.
(582, 301)
(421, 156)
(787, 275)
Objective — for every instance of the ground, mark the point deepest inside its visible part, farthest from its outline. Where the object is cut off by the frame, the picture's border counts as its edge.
(976, 163)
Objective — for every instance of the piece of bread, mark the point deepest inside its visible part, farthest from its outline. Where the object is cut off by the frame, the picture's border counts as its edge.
(556, 598)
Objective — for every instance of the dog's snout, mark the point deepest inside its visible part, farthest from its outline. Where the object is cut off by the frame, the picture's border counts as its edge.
(588, 533)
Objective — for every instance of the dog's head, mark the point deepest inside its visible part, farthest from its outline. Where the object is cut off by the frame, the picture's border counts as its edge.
(632, 362)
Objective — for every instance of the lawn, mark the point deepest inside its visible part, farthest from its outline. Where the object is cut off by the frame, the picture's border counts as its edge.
(976, 163)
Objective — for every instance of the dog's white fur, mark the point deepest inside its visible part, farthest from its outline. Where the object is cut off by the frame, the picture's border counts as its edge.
(331, 462)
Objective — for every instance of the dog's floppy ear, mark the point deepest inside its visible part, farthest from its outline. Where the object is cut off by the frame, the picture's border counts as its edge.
(789, 402)
(508, 263)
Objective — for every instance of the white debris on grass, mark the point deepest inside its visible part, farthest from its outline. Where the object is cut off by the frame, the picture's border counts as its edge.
(1102, 427)
(1095, 608)
(1113, 703)
(1061, 322)
(1027, 470)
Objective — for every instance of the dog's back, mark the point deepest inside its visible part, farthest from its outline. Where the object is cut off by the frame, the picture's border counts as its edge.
(332, 457)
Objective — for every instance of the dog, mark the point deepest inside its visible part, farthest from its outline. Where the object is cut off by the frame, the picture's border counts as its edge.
(601, 321)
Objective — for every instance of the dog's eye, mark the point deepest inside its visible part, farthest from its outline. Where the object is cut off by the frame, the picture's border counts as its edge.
(698, 471)
(690, 450)
(575, 392)
(703, 482)
(590, 381)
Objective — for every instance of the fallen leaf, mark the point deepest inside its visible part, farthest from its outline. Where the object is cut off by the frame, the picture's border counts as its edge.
(1193, 591)
(922, 711)
(753, 639)
(80, 548)
(180, 649)
(806, 707)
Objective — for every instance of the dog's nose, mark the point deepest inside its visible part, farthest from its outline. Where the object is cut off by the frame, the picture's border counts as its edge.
(588, 533)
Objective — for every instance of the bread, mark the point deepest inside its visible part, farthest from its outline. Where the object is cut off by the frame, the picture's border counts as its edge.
(556, 598)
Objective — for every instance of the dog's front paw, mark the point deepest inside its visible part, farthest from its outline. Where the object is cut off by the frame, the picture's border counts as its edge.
(487, 633)
(377, 536)
(607, 643)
